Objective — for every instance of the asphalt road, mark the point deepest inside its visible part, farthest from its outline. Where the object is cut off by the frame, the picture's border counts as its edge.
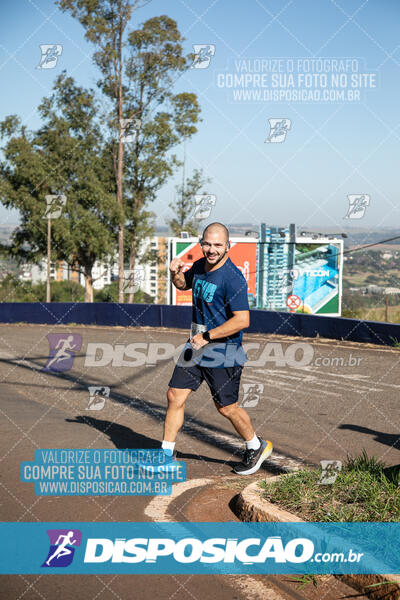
(335, 400)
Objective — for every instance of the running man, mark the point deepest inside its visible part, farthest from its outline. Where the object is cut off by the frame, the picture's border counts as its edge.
(62, 549)
(220, 312)
(62, 353)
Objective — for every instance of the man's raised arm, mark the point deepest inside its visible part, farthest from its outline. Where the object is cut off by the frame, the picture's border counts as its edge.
(178, 278)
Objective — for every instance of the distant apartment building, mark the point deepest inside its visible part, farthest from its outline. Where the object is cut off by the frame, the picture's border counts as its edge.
(38, 273)
(152, 281)
(154, 274)
(61, 271)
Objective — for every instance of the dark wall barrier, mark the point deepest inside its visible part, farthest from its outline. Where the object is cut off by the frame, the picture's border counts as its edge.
(338, 328)
(98, 313)
(160, 315)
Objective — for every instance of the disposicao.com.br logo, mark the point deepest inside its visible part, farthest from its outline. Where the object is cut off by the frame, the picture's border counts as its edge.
(163, 551)
(199, 548)
(191, 550)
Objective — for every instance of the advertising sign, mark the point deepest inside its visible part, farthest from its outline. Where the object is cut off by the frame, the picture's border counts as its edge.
(317, 275)
(299, 273)
(243, 253)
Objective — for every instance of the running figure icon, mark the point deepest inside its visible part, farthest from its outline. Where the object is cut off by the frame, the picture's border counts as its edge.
(62, 349)
(62, 549)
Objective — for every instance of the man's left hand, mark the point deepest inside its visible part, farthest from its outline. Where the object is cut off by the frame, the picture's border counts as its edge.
(197, 341)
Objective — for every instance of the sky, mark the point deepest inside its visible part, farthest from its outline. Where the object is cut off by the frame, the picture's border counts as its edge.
(329, 135)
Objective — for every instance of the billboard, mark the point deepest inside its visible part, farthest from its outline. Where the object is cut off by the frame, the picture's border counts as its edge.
(298, 273)
(243, 253)
(316, 278)
(284, 272)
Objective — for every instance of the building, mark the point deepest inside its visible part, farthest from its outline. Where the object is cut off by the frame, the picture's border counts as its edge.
(38, 273)
(151, 277)
(61, 271)
(273, 264)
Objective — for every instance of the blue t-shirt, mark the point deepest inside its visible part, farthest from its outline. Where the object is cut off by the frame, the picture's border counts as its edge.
(216, 295)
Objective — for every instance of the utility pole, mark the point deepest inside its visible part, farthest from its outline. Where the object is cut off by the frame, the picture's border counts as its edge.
(48, 295)
(54, 206)
(386, 308)
(183, 171)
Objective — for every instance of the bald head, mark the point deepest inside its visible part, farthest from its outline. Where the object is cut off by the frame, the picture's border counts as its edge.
(215, 244)
(217, 228)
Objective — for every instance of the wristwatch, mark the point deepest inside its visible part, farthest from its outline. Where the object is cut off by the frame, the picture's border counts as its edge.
(206, 336)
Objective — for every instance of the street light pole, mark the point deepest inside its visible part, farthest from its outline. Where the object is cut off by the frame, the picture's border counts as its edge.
(48, 295)
(55, 204)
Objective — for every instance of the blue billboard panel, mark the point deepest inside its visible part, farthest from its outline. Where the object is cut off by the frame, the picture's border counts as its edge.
(298, 274)
(316, 278)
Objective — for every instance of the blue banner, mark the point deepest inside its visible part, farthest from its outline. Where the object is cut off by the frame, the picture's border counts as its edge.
(102, 472)
(200, 548)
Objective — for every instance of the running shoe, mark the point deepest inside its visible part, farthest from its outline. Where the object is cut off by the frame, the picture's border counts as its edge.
(170, 459)
(253, 459)
(170, 456)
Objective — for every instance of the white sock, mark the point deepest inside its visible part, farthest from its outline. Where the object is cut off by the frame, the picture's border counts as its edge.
(253, 444)
(168, 446)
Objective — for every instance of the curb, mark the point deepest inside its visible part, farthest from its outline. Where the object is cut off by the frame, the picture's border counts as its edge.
(251, 507)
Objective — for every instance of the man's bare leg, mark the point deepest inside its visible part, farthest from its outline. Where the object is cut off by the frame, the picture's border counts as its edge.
(239, 419)
(175, 412)
(257, 450)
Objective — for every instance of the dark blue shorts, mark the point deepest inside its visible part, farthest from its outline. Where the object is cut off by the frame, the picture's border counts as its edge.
(223, 382)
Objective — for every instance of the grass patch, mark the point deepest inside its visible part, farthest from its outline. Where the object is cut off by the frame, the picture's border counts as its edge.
(364, 490)
(382, 583)
(303, 580)
(237, 483)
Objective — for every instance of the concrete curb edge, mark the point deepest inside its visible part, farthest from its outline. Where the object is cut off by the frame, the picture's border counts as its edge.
(250, 506)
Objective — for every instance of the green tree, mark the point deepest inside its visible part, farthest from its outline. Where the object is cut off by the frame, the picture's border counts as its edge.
(184, 204)
(138, 70)
(66, 155)
(140, 227)
(61, 291)
(110, 294)
(13, 290)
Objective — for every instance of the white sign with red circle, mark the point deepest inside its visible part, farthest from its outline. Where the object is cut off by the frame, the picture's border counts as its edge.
(293, 302)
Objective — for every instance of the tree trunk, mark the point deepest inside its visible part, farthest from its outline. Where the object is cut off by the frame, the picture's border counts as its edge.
(88, 286)
(132, 261)
(119, 176)
(121, 262)
(48, 293)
